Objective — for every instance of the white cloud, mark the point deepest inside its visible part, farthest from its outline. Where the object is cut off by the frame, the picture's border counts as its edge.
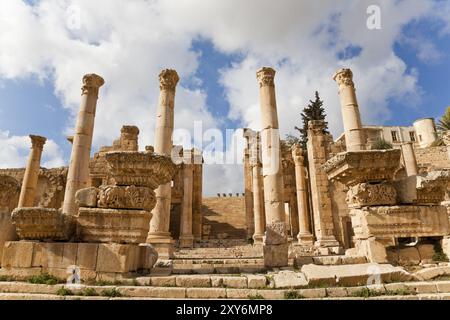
(14, 152)
(129, 42)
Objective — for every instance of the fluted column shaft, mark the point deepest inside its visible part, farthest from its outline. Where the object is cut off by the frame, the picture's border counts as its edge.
(258, 207)
(78, 175)
(30, 179)
(409, 158)
(159, 224)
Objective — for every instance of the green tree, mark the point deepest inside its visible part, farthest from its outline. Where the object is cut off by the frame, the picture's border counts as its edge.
(381, 144)
(444, 122)
(314, 111)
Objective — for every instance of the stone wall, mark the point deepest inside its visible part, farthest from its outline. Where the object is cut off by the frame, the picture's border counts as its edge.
(224, 218)
(432, 158)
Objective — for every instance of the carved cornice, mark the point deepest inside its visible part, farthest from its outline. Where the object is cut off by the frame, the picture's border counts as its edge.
(344, 77)
(37, 142)
(91, 84)
(266, 77)
(168, 79)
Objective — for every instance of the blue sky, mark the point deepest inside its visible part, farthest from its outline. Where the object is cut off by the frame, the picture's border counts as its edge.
(400, 71)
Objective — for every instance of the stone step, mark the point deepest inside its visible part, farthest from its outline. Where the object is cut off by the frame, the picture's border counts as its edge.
(439, 290)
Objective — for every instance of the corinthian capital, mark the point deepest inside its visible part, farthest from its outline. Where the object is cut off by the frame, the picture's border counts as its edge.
(297, 154)
(37, 142)
(266, 76)
(91, 84)
(344, 77)
(168, 79)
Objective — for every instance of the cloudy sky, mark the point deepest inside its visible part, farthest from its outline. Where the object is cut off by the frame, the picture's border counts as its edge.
(401, 70)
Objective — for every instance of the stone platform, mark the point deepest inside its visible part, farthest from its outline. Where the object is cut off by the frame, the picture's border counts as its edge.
(91, 261)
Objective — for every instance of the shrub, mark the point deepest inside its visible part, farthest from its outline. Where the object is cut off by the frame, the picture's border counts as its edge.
(111, 293)
(381, 144)
(43, 278)
(89, 292)
(439, 255)
(292, 295)
(64, 292)
(255, 297)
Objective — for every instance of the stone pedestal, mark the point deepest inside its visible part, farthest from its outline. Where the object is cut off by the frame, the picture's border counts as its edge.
(90, 261)
(159, 234)
(275, 251)
(30, 179)
(304, 236)
(78, 175)
(355, 138)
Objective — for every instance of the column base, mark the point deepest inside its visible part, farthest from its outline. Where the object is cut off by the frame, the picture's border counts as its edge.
(305, 239)
(163, 244)
(258, 238)
(328, 245)
(186, 241)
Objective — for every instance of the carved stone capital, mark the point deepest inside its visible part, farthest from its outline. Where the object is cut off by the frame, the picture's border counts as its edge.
(297, 155)
(37, 142)
(266, 77)
(168, 79)
(129, 197)
(344, 77)
(91, 84)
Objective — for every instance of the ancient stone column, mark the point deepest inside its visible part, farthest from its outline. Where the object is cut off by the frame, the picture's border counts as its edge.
(320, 189)
(409, 158)
(354, 134)
(129, 138)
(186, 236)
(304, 235)
(275, 241)
(249, 160)
(78, 175)
(197, 223)
(30, 179)
(159, 234)
(258, 199)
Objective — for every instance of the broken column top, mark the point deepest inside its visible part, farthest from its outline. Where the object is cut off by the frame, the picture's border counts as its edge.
(37, 141)
(131, 130)
(297, 153)
(344, 77)
(266, 76)
(168, 79)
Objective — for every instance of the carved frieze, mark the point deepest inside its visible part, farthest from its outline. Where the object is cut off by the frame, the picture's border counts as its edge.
(129, 197)
(365, 194)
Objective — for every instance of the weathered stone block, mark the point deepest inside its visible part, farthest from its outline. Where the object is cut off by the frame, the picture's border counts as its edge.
(235, 282)
(289, 279)
(256, 281)
(118, 258)
(193, 281)
(152, 292)
(87, 197)
(206, 293)
(163, 281)
(18, 254)
(276, 255)
(87, 254)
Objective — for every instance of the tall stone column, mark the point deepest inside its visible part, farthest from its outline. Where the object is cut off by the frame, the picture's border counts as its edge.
(249, 160)
(293, 210)
(197, 224)
(30, 179)
(304, 235)
(275, 240)
(159, 234)
(258, 199)
(78, 175)
(320, 188)
(355, 138)
(409, 158)
(186, 236)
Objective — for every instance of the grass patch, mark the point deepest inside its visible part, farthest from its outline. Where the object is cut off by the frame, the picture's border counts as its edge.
(103, 283)
(401, 292)
(439, 255)
(255, 297)
(64, 292)
(293, 295)
(113, 293)
(89, 292)
(367, 293)
(7, 279)
(44, 278)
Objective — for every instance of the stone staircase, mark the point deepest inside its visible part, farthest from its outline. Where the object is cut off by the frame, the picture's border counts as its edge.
(217, 287)
(224, 218)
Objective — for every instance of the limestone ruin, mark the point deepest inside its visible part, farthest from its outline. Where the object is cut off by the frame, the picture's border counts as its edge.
(325, 215)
